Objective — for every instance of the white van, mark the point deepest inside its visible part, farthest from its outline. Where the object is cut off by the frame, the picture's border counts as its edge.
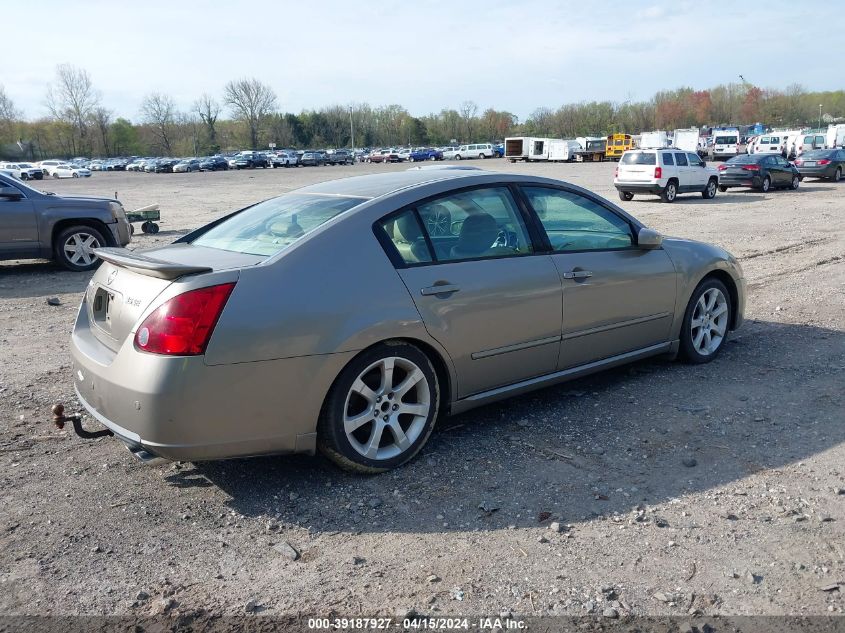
(726, 143)
(835, 136)
(771, 143)
(808, 142)
(476, 150)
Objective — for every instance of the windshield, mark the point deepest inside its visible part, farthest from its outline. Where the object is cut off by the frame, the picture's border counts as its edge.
(725, 140)
(638, 158)
(271, 226)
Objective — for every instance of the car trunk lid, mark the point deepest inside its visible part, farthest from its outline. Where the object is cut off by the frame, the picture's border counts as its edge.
(127, 283)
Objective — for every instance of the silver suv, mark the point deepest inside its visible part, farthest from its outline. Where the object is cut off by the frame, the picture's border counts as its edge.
(36, 224)
(665, 173)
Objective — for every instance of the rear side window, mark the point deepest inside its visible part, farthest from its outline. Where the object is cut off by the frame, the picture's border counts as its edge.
(406, 233)
(681, 159)
(667, 158)
(639, 158)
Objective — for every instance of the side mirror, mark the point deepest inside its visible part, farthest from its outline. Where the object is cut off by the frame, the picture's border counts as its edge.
(10, 193)
(649, 239)
(704, 163)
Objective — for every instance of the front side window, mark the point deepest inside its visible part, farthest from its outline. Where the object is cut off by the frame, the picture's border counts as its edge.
(681, 160)
(475, 224)
(694, 159)
(575, 223)
(271, 226)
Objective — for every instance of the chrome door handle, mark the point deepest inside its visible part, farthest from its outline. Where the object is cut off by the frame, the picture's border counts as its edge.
(442, 289)
(577, 274)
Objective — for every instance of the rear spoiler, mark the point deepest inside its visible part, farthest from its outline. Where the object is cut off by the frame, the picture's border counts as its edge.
(147, 265)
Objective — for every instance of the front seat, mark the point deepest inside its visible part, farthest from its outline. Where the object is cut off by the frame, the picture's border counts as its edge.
(412, 246)
(478, 233)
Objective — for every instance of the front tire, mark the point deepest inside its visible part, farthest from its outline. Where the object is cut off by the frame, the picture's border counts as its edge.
(837, 175)
(723, 188)
(796, 182)
(74, 246)
(710, 190)
(381, 409)
(706, 322)
(766, 184)
(670, 192)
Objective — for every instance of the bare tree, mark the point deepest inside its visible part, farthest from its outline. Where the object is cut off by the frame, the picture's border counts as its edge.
(468, 111)
(159, 112)
(102, 119)
(250, 101)
(72, 99)
(9, 115)
(208, 110)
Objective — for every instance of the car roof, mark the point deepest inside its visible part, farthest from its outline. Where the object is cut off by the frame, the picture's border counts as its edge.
(376, 185)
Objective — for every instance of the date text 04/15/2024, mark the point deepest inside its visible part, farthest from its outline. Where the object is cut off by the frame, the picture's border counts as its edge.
(417, 623)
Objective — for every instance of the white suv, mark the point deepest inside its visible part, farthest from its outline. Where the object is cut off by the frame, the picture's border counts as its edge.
(479, 150)
(665, 173)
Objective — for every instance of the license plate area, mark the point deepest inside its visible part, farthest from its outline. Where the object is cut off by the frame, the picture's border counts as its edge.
(104, 308)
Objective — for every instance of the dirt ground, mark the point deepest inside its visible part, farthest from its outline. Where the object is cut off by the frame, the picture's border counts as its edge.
(755, 526)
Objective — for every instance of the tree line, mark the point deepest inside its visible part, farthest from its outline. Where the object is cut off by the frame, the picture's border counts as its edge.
(246, 114)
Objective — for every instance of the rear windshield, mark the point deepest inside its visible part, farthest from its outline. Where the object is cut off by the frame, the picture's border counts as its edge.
(745, 159)
(818, 153)
(639, 158)
(271, 226)
(725, 140)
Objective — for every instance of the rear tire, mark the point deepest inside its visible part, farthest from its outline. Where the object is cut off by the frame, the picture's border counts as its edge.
(366, 424)
(627, 196)
(670, 192)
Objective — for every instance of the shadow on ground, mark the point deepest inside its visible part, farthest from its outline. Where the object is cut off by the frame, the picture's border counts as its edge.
(596, 446)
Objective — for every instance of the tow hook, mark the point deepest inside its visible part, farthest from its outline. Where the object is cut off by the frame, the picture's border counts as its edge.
(60, 419)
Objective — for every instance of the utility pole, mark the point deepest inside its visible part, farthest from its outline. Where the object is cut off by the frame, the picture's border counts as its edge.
(351, 130)
(820, 116)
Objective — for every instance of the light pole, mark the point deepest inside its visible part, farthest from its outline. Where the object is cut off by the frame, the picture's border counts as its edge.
(820, 116)
(351, 131)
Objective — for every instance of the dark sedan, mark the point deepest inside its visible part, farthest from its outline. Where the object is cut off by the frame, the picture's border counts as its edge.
(312, 159)
(214, 163)
(822, 163)
(758, 171)
(166, 165)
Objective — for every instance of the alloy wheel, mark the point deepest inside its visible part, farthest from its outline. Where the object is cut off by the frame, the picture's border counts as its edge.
(386, 408)
(709, 321)
(79, 248)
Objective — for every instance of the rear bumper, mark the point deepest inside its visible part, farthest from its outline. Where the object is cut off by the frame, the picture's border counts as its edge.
(825, 171)
(639, 187)
(179, 408)
(736, 181)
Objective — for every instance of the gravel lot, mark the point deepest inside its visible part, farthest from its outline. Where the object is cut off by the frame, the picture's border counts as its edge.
(673, 488)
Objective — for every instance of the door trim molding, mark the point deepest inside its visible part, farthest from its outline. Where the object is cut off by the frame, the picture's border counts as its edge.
(524, 386)
(515, 348)
(613, 326)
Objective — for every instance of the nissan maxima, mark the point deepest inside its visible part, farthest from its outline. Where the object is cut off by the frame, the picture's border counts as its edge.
(334, 318)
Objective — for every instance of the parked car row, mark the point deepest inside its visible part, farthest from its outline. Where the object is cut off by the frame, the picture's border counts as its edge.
(419, 154)
(667, 172)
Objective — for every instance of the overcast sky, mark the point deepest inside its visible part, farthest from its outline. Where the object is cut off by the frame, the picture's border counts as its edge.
(426, 55)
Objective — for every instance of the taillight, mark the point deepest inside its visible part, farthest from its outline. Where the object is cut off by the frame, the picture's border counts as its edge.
(658, 172)
(183, 325)
(824, 161)
(799, 162)
(751, 167)
(722, 167)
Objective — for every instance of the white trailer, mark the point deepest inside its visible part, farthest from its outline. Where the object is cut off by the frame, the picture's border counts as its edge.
(654, 140)
(835, 136)
(687, 139)
(518, 147)
(563, 150)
